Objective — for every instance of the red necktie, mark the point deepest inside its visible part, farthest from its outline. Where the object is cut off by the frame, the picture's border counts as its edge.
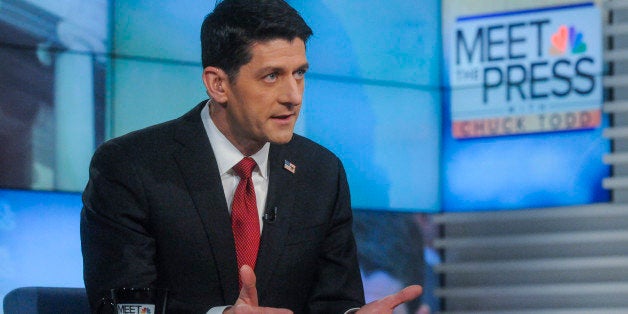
(244, 216)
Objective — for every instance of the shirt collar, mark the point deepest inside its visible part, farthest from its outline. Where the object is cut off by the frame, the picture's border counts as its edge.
(228, 155)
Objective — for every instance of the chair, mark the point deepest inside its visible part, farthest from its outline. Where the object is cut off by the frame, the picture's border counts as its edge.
(46, 300)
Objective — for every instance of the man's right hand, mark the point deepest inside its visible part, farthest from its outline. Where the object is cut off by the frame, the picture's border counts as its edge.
(247, 301)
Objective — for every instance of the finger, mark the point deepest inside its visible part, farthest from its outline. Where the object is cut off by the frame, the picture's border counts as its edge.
(248, 276)
(406, 294)
(248, 293)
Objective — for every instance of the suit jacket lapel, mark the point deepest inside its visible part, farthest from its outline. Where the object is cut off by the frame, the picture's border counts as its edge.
(280, 196)
(197, 162)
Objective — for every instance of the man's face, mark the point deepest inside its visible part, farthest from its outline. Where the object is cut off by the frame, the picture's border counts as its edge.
(264, 100)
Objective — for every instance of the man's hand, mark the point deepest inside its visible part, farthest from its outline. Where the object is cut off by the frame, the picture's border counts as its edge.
(388, 304)
(247, 301)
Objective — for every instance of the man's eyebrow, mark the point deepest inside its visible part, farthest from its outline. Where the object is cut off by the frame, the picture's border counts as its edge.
(276, 69)
(269, 69)
(305, 66)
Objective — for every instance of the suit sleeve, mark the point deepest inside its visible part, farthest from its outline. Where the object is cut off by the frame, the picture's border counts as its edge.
(118, 249)
(339, 286)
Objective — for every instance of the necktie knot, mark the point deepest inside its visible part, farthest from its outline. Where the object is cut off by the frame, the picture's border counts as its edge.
(245, 167)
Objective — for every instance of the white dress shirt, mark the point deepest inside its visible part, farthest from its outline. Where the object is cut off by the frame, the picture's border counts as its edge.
(228, 156)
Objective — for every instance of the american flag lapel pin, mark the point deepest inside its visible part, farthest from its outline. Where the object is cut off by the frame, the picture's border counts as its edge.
(289, 166)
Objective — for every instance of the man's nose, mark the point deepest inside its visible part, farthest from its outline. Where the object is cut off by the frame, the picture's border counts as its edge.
(292, 92)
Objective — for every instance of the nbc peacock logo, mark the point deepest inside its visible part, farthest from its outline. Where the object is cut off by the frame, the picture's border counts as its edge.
(567, 40)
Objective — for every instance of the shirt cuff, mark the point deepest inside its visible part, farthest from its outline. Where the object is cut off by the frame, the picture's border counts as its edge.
(353, 310)
(218, 310)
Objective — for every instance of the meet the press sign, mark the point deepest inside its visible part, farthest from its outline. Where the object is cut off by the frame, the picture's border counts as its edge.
(528, 71)
(136, 309)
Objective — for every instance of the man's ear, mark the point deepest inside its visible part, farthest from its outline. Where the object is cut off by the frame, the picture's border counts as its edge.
(215, 80)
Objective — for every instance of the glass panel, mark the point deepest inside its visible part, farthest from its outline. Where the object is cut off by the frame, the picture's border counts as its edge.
(387, 138)
(146, 93)
(40, 240)
(378, 40)
(160, 29)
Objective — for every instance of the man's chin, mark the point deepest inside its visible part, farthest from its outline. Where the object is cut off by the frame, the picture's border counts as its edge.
(281, 139)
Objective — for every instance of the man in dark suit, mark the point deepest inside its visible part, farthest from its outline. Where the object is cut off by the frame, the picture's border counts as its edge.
(160, 202)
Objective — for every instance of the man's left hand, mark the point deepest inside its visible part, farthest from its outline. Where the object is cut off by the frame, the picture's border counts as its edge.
(387, 304)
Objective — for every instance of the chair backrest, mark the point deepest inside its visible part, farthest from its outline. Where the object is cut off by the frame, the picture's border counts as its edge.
(46, 300)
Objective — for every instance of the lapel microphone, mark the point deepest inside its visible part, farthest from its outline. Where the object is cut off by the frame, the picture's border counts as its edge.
(270, 215)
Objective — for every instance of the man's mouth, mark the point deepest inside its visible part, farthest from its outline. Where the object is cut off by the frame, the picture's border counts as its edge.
(283, 116)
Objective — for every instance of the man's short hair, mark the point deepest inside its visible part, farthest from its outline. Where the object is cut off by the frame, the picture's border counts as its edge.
(234, 26)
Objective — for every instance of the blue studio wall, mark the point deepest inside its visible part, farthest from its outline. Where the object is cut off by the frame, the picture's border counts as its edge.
(107, 68)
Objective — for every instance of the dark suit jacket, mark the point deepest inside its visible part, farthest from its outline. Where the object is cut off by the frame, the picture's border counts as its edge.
(155, 214)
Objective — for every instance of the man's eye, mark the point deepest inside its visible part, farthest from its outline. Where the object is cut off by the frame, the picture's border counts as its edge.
(299, 74)
(270, 77)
